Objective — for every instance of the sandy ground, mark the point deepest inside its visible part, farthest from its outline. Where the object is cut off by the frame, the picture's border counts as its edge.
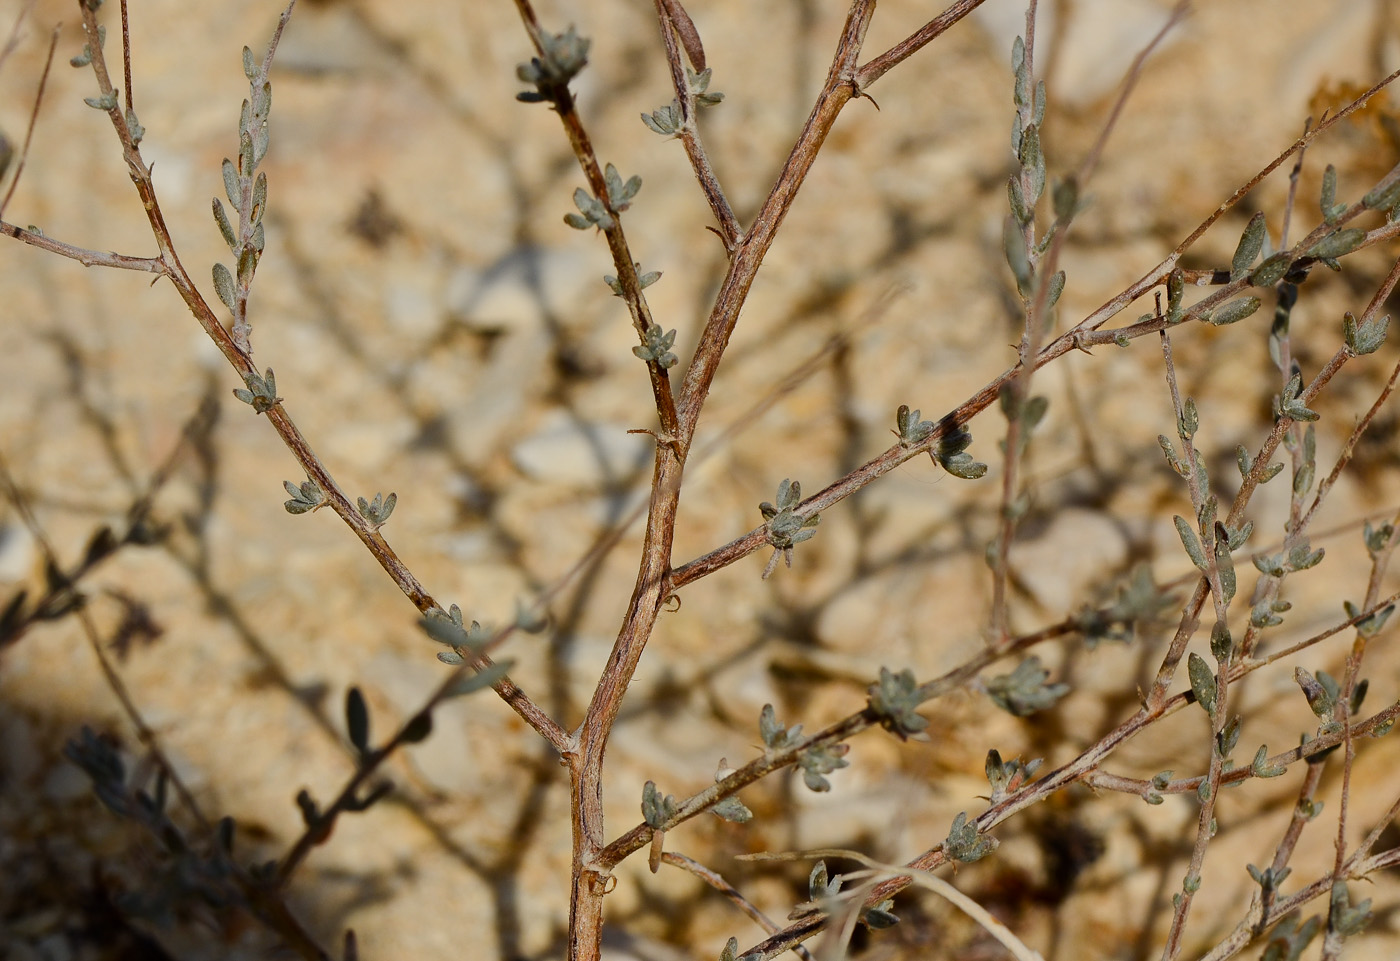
(437, 331)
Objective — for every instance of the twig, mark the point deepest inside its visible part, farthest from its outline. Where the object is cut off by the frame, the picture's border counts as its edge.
(626, 267)
(168, 264)
(1211, 541)
(912, 44)
(716, 881)
(12, 41)
(1242, 935)
(729, 229)
(1016, 393)
(1085, 765)
(923, 879)
(88, 258)
(33, 117)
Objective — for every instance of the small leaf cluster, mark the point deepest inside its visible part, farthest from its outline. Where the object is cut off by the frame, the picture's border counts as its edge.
(910, 430)
(1006, 777)
(815, 762)
(730, 808)
(1299, 557)
(820, 760)
(1260, 767)
(1023, 692)
(1024, 191)
(1288, 940)
(1378, 539)
(657, 810)
(307, 497)
(786, 527)
(377, 511)
(1384, 196)
(1179, 464)
(246, 190)
(1246, 464)
(1252, 241)
(1346, 919)
(1324, 696)
(963, 843)
(1159, 782)
(1268, 879)
(561, 58)
(644, 280)
(1290, 402)
(465, 641)
(449, 628)
(84, 59)
(657, 348)
(1224, 541)
(820, 887)
(261, 393)
(319, 823)
(594, 212)
(1139, 603)
(894, 699)
(668, 120)
(776, 737)
(1365, 338)
(1266, 612)
(952, 455)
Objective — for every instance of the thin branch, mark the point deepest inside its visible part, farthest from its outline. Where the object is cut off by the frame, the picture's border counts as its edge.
(1293, 177)
(1380, 560)
(126, 56)
(717, 881)
(626, 267)
(748, 256)
(759, 768)
(1243, 934)
(33, 117)
(1042, 271)
(1349, 448)
(912, 44)
(1016, 394)
(88, 258)
(729, 230)
(1083, 766)
(12, 41)
(924, 879)
(168, 263)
